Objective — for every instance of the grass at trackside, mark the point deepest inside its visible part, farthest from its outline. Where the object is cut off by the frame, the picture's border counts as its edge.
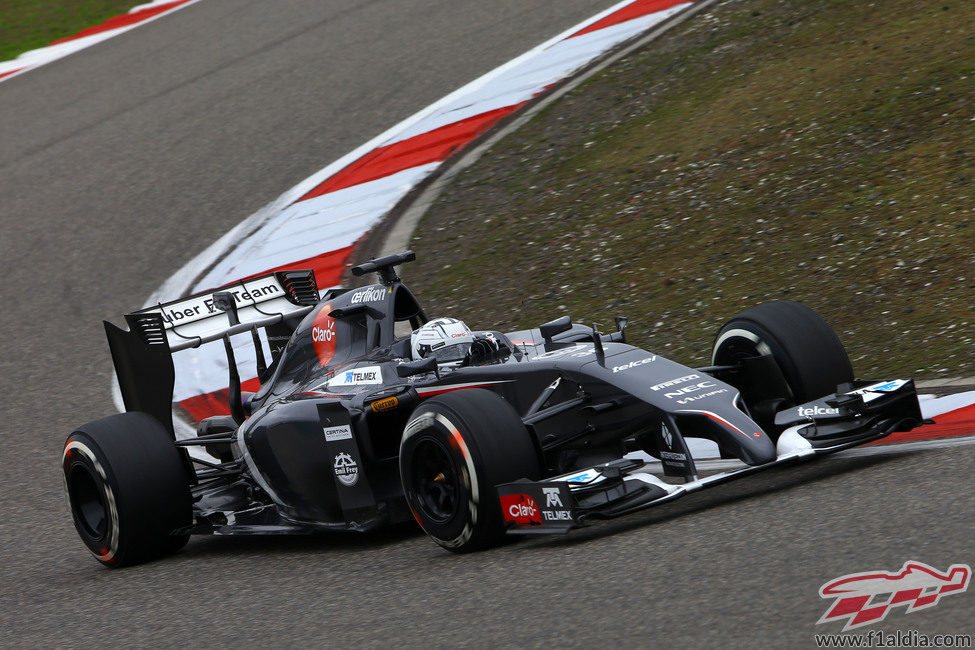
(30, 24)
(816, 150)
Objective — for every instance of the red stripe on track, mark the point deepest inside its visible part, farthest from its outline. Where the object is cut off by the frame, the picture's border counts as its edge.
(328, 267)
(960, 422)
(9, 72)
(412, 152)
(123, 21)
(634, 10)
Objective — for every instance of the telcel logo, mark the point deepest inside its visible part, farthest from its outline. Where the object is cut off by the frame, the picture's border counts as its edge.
(809, 411)
(634, 364)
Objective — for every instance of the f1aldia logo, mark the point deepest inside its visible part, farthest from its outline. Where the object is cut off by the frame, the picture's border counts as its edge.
(865, 598)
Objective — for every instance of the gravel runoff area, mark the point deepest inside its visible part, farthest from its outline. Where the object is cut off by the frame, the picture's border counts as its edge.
(815, 150)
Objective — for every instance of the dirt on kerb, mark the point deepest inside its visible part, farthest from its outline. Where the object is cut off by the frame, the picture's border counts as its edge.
(814, 150)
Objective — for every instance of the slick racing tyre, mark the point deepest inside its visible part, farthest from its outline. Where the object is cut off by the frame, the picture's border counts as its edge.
(806, 349)
(127, 488)
(455, 449)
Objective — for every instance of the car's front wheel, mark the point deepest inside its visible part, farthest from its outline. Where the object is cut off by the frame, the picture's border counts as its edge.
(127, 489)
(810, 355)
(456, 449)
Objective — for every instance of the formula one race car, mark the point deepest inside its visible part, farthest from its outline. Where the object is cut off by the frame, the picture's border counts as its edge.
(474, 434)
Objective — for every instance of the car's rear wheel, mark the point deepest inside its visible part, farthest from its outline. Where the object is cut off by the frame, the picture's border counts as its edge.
(810, 355)
(456, 449)
(127, 489)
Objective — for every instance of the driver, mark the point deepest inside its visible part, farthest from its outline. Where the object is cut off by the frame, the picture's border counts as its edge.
(451, 341)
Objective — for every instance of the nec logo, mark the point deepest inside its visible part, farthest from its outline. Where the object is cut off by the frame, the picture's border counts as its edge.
(865, 598)
(693, 388)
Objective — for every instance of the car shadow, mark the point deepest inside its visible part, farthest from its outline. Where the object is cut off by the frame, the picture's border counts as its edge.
(204, 546)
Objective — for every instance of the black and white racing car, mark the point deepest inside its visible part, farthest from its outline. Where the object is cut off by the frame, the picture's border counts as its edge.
(476, 435)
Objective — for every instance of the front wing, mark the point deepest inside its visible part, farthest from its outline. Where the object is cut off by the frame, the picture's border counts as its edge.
(862, 413)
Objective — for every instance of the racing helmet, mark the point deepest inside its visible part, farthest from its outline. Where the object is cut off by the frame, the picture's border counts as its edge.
(447, 339)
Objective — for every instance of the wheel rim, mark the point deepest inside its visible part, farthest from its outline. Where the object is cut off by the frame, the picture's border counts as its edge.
(87, 501)
(435, 480)
(737, 344)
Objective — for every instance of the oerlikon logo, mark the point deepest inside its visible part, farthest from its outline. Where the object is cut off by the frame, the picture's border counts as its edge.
(865, 598)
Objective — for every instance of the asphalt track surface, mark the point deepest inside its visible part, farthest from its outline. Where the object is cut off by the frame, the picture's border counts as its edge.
(119, 163)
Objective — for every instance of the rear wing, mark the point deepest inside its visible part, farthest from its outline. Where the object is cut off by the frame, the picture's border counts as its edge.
(142, 354)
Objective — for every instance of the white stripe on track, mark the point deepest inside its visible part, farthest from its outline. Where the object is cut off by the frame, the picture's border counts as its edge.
(42, 56)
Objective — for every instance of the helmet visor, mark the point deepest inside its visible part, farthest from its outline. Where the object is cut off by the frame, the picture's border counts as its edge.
(455, 352)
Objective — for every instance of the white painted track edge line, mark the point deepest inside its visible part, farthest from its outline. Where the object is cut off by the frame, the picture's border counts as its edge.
(37, 53)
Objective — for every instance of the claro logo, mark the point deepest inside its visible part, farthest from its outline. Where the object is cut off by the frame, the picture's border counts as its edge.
(520, 509)
(323, 334)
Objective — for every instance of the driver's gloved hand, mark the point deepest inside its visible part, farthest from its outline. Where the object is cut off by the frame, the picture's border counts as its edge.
(485, 350)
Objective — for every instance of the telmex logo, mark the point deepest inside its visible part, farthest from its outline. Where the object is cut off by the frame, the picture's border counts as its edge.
(865, 598)
(366, 375)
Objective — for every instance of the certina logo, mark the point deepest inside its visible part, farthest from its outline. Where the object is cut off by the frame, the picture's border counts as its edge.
(693, 388)
(343, 432)
(346, 469)
(668, 437)
(809, 411)
(634, 364)
(865, 598)
(552, 498)
(673, 382)
(372, 294)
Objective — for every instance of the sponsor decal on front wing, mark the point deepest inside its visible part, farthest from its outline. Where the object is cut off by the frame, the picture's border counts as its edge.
(877, 391)
(810, 411)
(524, 510)
(520, 509)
